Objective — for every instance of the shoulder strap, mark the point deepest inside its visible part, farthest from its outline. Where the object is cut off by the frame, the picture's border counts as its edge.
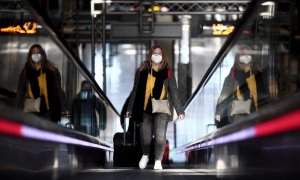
(151, 83)
(24, 73)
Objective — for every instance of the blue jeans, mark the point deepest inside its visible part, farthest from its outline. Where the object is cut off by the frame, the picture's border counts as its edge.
(154, 124)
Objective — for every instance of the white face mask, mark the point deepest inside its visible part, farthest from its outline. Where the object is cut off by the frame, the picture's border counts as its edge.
(86, 94)
(156, 58)
(36, 57)
(246, 59)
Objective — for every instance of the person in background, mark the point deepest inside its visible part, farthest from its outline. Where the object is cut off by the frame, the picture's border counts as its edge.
(245, 81)
(88, 113)
(153, 75)
(40, 78)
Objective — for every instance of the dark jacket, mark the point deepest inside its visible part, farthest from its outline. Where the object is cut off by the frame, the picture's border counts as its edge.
(88, 113)
(136, 104)
(54, 90)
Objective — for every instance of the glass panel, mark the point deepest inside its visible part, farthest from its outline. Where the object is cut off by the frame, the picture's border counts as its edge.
(57, 81)
(262, 66)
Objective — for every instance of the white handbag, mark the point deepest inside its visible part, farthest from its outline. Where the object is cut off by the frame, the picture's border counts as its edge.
(160, 106)
(240, 107)
(32, 105)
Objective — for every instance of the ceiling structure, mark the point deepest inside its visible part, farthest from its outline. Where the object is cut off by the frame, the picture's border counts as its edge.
(74, 18)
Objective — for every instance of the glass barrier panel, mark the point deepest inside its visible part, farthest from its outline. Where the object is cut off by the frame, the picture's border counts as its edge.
(261, 67)
(34, 67)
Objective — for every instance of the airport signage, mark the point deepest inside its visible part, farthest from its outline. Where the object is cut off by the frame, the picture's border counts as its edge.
(26, 28)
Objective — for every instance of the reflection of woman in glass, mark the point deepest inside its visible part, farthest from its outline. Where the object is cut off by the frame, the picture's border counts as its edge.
(245, 81)
(40, 78)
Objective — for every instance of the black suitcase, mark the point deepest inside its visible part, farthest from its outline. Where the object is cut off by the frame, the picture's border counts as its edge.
(127, 149)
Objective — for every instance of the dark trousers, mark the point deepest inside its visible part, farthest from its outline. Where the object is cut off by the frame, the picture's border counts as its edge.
(154, 125)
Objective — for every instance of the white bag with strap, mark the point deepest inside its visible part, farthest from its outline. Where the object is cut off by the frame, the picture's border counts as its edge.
(32, 105)
(159, 106)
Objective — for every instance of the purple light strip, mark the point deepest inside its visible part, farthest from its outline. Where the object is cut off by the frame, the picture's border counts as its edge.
(233, 137)
(236, 136)
(34, 133)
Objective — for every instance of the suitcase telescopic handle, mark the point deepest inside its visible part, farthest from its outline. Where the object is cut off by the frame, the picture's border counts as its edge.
(134, 131)
(124, 132)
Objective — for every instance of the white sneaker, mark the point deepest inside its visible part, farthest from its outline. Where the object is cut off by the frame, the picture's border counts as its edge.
(143, 162)
(157, 165)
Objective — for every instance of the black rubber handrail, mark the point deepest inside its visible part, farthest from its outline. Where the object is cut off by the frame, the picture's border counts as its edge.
(30, 120)
(286, 105)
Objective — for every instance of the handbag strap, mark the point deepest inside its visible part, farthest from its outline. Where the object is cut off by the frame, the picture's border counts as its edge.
(151, 83)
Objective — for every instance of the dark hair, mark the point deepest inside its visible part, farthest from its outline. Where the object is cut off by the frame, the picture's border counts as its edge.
(255, 64)
(147, 64)
(86, 83)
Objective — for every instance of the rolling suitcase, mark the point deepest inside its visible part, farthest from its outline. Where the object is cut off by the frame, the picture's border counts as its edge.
(127, 150)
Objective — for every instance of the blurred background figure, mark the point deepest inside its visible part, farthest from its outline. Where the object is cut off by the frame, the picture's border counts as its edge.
(88, 113)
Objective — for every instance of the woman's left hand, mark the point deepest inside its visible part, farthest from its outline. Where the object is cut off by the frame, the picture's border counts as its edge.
(181, 116)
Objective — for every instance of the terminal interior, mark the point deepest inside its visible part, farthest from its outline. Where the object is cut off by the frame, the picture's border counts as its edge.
(104, 42)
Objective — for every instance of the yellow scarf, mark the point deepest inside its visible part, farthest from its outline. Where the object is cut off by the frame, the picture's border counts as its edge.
(43, 89)
(251, 83)
(150, 84)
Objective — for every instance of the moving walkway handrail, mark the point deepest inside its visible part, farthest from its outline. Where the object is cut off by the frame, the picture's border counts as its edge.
(281, 117)
(67, 49)
(44, 130)
(39, 149)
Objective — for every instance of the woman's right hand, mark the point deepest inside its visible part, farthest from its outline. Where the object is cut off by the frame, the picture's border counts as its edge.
(218, 117)
(128, 114)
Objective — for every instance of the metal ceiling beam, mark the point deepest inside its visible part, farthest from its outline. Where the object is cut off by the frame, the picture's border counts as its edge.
(9, 6)
(181, 7)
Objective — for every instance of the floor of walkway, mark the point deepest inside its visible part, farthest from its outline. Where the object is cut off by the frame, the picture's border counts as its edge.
(146, 174)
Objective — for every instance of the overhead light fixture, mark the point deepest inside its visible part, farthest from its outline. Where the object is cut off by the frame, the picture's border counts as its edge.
(267, 9)
(242, 8)
(96, 7)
